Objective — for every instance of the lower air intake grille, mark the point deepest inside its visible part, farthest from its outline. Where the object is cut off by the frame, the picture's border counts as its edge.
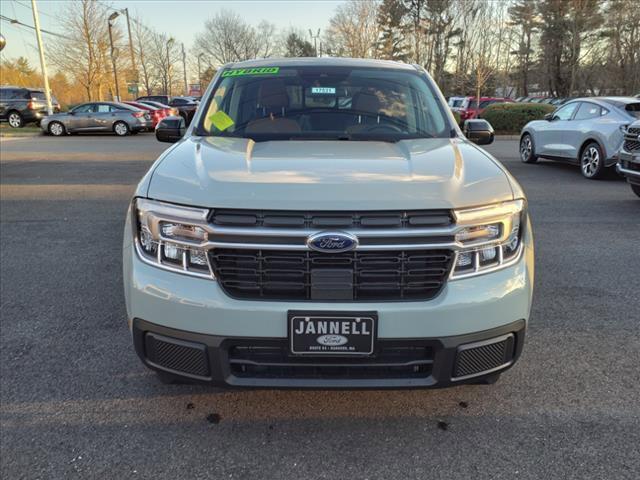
(174, 354)
(476, 358)
(272, 360)
(350, 276)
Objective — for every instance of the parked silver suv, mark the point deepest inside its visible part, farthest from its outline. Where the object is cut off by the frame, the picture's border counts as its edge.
(585, 131)
(324, 223)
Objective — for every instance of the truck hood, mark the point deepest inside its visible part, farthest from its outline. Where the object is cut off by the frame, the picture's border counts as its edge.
(328, 175)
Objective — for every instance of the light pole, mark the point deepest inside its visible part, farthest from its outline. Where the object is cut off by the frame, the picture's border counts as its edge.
(184, 70)
(315, 40)
(43, 63)
(168, 89)
(200, 71)
(133, 57)
(112, 17)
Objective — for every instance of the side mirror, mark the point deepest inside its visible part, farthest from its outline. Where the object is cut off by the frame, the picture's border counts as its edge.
(170, 129)
(71, 112)
(548, 117)
(478, 131)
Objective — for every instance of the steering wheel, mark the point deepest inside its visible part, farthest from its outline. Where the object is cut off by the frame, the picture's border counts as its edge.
(379, 127)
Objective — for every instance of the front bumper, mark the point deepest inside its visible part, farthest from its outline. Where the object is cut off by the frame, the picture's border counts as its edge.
(629, 166)
(266, 363)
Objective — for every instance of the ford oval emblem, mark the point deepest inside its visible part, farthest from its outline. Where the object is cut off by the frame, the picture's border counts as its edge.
(332, 242)
(332, 340)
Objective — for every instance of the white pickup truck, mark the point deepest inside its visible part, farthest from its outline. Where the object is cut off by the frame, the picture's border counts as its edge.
(324, 223)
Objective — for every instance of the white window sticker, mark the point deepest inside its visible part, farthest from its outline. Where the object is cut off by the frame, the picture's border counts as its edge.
(323, 91)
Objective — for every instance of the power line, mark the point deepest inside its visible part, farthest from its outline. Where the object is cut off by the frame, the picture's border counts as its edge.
(14, 21)
(29, 8)
(24, 43)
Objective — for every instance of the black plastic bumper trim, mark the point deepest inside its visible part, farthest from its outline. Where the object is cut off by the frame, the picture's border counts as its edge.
(445, 350)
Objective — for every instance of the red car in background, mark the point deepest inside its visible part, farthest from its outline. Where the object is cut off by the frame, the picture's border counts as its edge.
(156, 113)
(471, 109)
(169, 111)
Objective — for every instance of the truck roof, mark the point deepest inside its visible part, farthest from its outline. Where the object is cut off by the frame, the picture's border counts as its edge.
(321, 62)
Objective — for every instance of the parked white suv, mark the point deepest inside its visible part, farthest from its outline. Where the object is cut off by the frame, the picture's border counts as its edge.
(324, 223)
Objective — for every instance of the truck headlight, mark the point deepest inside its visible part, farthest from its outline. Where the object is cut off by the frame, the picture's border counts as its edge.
(490, 237)
(172, 237)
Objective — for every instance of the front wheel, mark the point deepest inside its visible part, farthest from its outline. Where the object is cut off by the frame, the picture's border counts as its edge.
(527, 154)
(635, 189)
(15, 120)
(56, 129)
(121, 129)
(592, 161)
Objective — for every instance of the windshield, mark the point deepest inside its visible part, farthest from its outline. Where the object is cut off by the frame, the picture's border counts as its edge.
(345, 103)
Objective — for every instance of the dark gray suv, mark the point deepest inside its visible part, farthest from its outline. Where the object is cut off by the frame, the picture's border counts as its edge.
(19, 105)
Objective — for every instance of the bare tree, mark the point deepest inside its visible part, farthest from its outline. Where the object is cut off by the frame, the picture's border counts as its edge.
(142, 38)
(267, 39)
(353, 30)
(228, 38)
(165, 57)
(84, 53)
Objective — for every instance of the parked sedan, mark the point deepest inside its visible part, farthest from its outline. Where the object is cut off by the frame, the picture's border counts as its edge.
(186, 106)
(156, 113)
(113, 117)
(169, 111)
(585, 131)
(473, 110)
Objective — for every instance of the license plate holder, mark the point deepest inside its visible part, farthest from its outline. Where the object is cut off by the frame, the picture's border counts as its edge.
(332, 333)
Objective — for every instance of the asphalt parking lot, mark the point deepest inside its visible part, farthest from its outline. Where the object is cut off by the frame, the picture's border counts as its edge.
(77, 403)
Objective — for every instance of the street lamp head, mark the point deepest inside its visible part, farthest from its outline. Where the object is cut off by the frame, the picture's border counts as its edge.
(113, 16)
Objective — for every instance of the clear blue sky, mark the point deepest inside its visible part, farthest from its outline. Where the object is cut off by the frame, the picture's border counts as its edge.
(182, 19)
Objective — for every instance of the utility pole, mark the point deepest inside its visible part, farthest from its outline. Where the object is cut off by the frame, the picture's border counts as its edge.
(184, 69)
(133, 56)
(112, 17)
(200, 71)
(43, 63)
(315, 41)
(168, 85)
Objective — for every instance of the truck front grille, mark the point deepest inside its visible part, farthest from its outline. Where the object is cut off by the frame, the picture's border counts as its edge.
(351, 276)
(631, 140)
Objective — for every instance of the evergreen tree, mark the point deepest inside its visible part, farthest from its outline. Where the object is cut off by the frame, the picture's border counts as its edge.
(391, 18)
(296, 46)
(524, 18)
